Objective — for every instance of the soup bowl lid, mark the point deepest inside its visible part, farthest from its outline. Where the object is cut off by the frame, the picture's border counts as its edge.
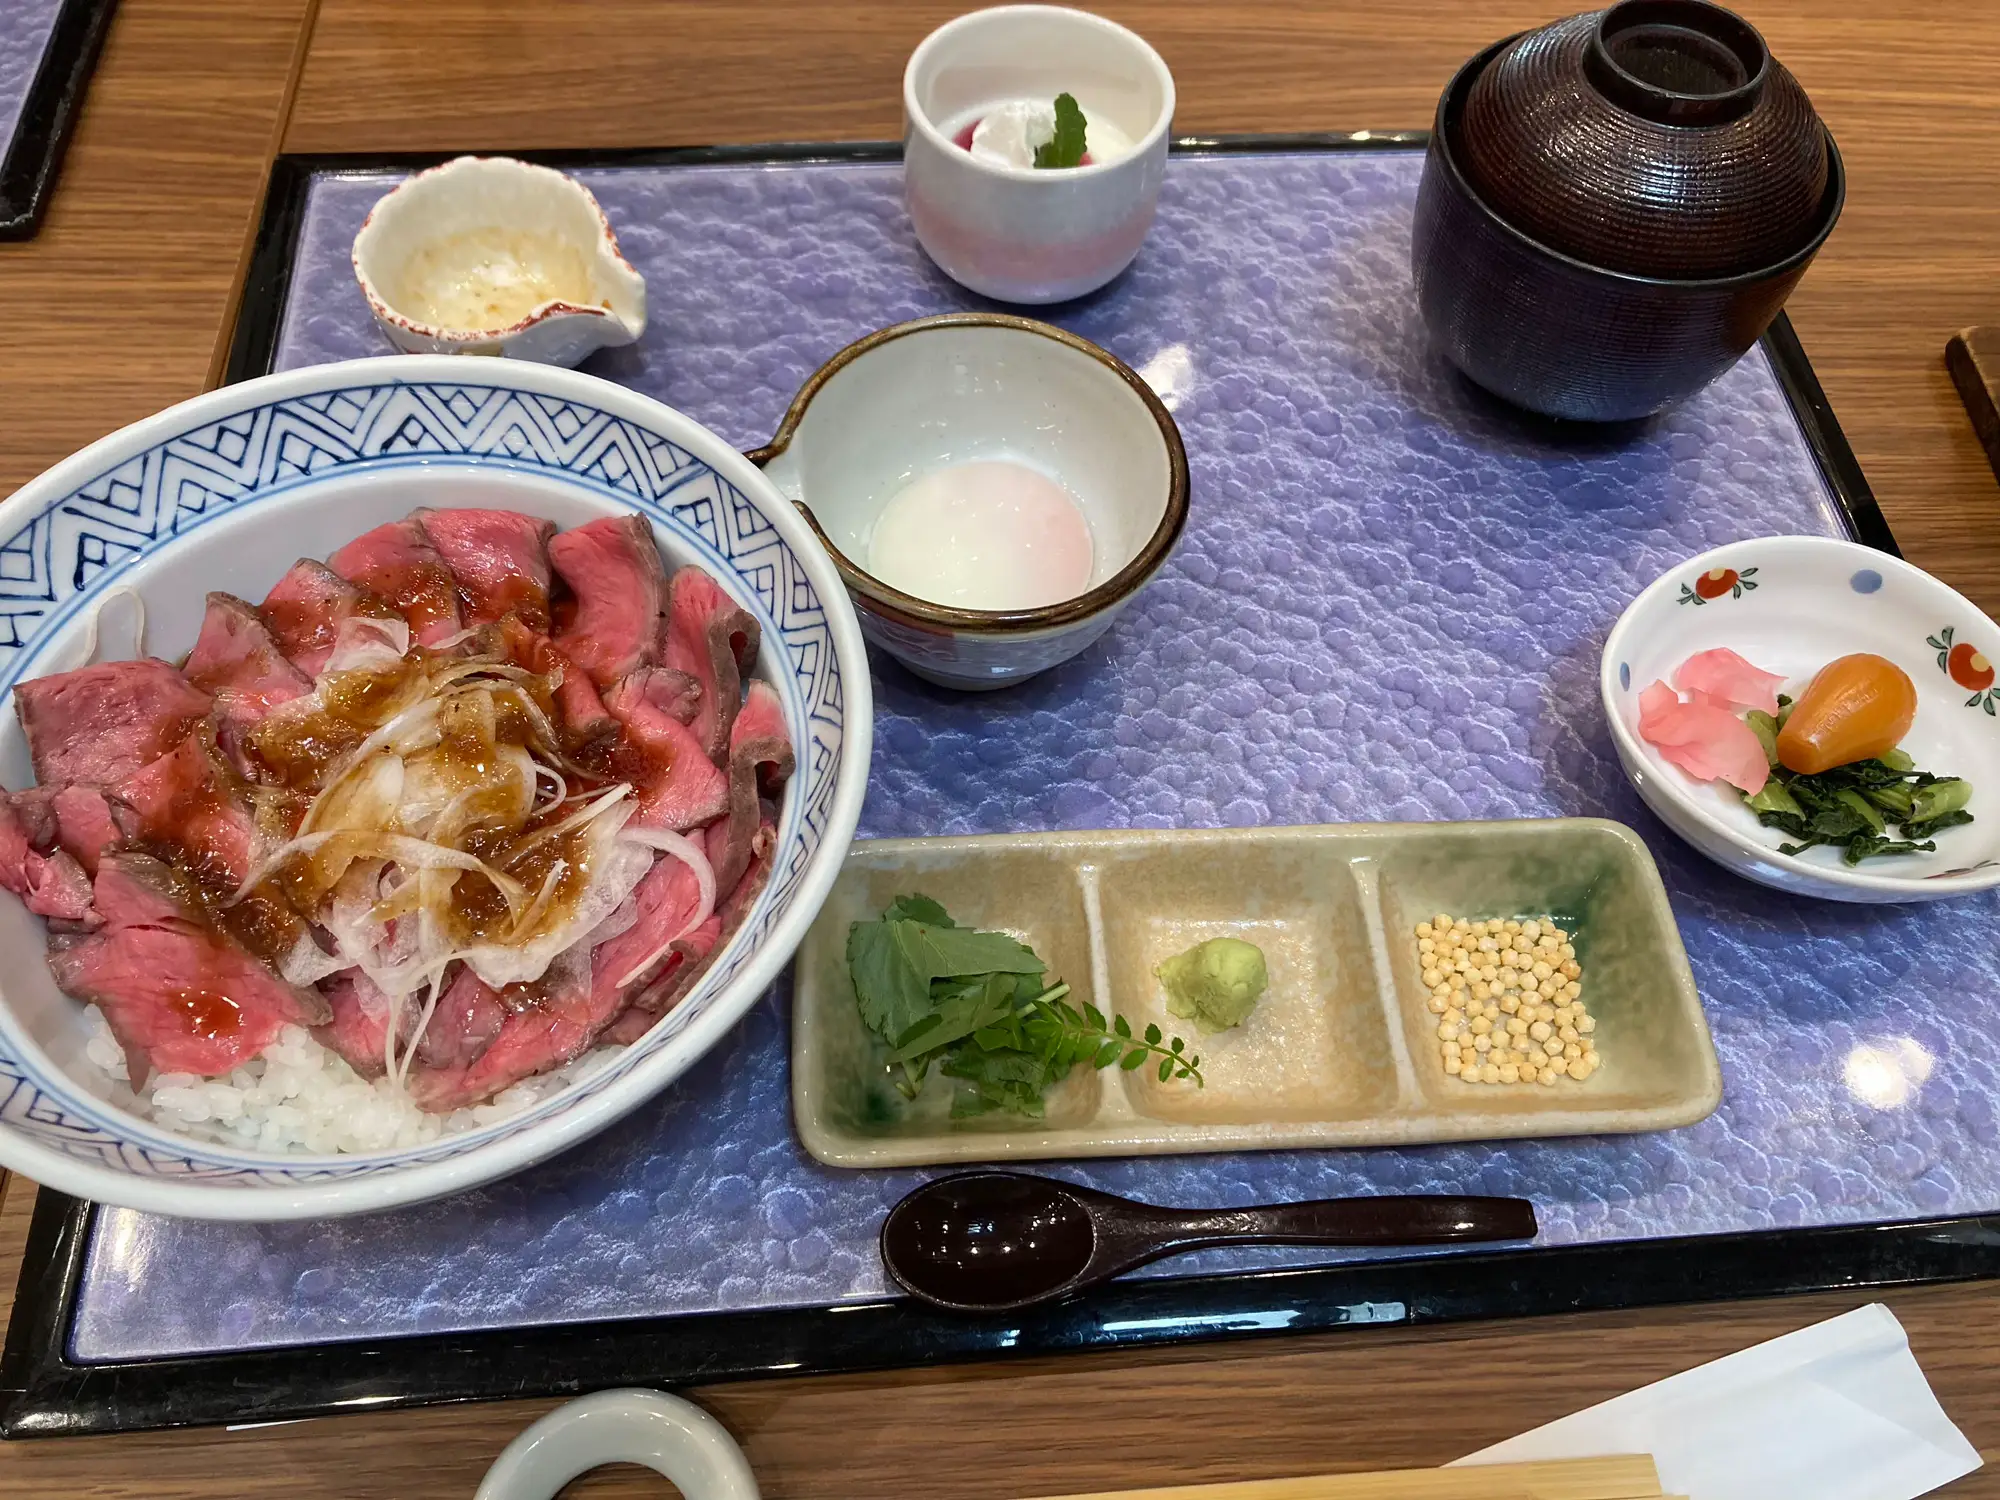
(1657, 138)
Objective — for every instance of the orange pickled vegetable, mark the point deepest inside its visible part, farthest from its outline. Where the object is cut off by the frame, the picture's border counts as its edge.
(1857, 708)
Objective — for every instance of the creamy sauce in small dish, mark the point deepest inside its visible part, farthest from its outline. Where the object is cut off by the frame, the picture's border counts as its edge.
(492, 278)
(986, 534)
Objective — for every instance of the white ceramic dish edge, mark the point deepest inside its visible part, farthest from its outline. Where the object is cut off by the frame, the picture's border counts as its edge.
(1679, 801)
(667, 1434)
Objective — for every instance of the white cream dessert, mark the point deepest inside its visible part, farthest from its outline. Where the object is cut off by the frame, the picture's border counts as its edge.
(1008, 134)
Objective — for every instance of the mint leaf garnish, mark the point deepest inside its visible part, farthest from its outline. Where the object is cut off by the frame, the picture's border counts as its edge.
(981, 1007)
(1067, 147)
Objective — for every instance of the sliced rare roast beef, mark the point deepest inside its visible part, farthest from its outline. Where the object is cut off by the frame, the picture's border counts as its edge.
(668, 900)
(50, 882)
(304, 610)
(580, 707)
(99, 724)
(90, 825)
(190, 799)
(499, 559)
(397, 561)
(35, 810)
(567, 1017)
(580, 710)
(688, 958)
(760, 762)
(713, 639)
(360, 1025)
(180, 997)
(679, 787)
(468, 1017)
(613, 568)
(734, 906)
(673, 692)
(238, 660)
(686, 961)
(191, 807)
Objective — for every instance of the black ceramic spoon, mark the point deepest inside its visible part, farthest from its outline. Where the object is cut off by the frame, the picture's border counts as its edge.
(992, 1242)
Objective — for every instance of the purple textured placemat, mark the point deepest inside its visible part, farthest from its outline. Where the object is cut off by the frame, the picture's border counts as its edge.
(1389, 604)
(24, 35)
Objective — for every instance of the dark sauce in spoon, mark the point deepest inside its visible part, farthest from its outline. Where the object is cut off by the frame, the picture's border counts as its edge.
(987, 1239)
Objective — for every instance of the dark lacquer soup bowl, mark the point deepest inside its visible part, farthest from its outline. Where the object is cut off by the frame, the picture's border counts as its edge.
(1614, 214)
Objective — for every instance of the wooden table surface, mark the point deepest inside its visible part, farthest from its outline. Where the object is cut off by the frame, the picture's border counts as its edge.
(122, 305)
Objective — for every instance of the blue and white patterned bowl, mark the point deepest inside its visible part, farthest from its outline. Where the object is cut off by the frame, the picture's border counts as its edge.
(223, 492)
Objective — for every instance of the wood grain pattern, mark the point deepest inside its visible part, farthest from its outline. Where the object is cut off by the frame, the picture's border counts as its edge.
(122, 305)
(1911, 92)
(1973, 358)
(1627, 1477)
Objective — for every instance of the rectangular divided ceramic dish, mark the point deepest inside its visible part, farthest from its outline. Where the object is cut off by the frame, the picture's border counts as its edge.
(1341, 1050)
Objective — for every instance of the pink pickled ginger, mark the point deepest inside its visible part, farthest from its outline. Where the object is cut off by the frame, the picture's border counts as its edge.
(1707, 742)
(1726, 680)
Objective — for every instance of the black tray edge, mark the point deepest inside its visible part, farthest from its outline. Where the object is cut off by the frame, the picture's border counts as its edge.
(53, 1397)
(34, 155)
(47, 1394)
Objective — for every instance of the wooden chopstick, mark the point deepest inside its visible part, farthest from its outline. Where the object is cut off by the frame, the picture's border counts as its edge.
(1623, 1478)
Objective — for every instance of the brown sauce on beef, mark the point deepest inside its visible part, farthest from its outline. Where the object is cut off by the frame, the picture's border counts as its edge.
(207, 1014)
(423, 592)
(296, 751)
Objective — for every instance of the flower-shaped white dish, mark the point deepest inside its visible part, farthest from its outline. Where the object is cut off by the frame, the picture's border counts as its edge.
(488, 255)
(224, 492)
(923, 396)
(1791, 605)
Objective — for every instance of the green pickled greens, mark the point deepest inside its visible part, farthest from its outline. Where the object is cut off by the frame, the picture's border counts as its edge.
(1854, 807)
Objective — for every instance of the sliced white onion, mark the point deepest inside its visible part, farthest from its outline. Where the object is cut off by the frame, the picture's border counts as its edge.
(602, 805)
(412, 853)
(538, 907)
(402, 1075)
(308, 963)
(367, 801)
(689, 853)
(615, 868)
(85, 651)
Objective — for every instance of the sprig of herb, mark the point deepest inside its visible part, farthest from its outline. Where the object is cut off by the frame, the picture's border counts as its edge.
(979, 1005)
(1067, 147)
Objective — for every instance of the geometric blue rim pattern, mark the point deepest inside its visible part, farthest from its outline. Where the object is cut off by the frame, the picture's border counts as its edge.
(63, 558)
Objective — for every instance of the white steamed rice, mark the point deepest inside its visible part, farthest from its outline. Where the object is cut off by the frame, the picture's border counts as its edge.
(302, 1097)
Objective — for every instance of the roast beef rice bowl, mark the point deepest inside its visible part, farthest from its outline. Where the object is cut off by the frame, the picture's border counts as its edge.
(421, 837)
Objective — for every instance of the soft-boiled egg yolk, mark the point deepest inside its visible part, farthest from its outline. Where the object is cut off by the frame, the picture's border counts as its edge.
(990, 534)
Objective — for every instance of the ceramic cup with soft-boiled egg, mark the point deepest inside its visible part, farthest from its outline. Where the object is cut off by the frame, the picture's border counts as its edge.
(994, 490)
(980, 99)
